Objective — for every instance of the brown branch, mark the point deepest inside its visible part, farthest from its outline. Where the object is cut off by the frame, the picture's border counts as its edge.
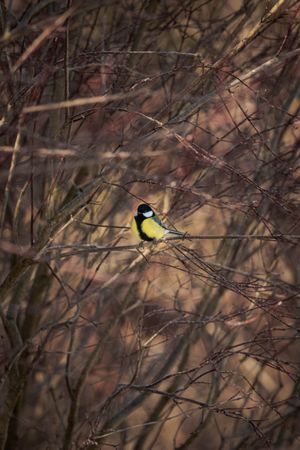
(94, 248)
(80, 102)
(42, 37)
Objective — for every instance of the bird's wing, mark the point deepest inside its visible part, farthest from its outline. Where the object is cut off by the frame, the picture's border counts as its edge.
(156, 219)
(178, 233)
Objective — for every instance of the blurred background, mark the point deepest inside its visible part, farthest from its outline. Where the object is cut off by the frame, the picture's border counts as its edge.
(191, 106)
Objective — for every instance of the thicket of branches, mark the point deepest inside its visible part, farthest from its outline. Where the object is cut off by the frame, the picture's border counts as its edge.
(191, 106)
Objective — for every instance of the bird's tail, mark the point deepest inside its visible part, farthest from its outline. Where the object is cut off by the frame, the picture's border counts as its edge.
(176, 233)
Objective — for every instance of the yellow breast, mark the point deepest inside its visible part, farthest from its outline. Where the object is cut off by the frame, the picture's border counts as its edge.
(134, 228)
(152, 229)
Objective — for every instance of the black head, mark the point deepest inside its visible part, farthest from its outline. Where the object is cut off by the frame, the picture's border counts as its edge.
(145, 210)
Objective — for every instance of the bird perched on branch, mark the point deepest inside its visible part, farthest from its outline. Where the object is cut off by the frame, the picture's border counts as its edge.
(146, 225)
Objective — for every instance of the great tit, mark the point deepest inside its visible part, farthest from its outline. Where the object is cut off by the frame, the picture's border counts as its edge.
(146, 225)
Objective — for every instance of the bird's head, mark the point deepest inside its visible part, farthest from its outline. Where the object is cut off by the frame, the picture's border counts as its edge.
(145, 210)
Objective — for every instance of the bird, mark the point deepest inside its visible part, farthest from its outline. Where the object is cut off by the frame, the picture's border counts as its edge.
(147, 226)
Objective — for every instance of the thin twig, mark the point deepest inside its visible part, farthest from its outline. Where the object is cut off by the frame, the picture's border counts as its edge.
(80, 102)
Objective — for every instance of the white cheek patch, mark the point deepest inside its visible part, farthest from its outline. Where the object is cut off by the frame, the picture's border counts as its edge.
(148, 214)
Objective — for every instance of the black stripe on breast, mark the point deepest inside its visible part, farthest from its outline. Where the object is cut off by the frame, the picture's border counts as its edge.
(139, 219)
